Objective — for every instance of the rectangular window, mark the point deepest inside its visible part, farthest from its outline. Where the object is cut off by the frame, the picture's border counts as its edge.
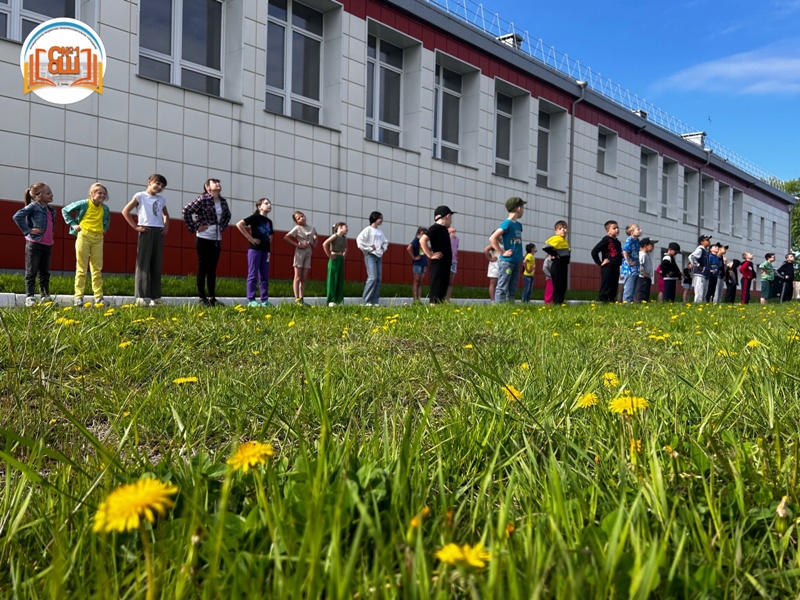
(19, 17)
(446, 114)
(543, 150)
(648, 184)
(384, 91)
(606, 151)
(180, 42)
(724, 208)
(749, 226)
(691, 180)
(774, 232)
(294, 60)
(602, 143)
(761, 231)
(669, 189)
(738, 203)
(504, 111)
(706, 204)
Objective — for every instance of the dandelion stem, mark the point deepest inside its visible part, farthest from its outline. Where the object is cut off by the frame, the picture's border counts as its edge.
(148, 561)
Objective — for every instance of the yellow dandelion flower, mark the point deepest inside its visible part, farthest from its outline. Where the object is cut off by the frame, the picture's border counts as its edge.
(587, 400)
(249, 455)
(726, 353)
(671, 452)
(525, 366)
(64, 321)
(476, 556)
(610, 380)
(450, 554)
(510, 529)
(267, 316)
(555, 334)
(627, 403)
(124, 344)
(126, 414)
(182, 380)
(636, 446)
(468, 346)
(290, 324)
(754, 344)
(125, 507)
(414, 523)
(66, 308)
(512, 393)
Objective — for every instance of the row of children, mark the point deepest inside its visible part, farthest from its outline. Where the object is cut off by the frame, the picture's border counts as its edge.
(207, 217)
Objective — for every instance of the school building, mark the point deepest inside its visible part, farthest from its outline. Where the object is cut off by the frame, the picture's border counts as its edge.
(341, 108)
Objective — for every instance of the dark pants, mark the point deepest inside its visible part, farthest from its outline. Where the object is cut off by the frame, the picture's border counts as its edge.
(207, 258)
(670, 286)
(440, 279)
(746, 285)
(712, 288)
(730, 293)
(783, 289)
(609, 280)
(643, 289)
(37, 264)
(149, 254)
(559, 274)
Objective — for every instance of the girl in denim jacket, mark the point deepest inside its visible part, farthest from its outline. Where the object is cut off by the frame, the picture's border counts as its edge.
(37, 222)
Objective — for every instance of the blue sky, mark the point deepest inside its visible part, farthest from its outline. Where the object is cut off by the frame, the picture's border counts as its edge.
(730, 68)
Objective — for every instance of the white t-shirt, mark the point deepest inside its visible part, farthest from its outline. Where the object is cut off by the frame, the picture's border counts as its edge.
(212, 232)
(150, 210)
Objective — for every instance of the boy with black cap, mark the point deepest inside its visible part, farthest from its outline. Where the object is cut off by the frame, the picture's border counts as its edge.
(435, 243)
(670, 272)
(507, 242)
(713, 271)
(785, 275)
(699, 262)
(645, 269)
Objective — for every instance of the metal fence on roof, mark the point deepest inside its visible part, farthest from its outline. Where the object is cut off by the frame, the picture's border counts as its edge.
(475, 15)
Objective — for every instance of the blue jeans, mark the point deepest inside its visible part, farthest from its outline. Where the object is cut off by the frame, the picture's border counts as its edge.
(527, 287)
(372, 288)
(629, 287)
(507, 282)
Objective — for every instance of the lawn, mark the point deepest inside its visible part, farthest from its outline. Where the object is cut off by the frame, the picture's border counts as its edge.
(449, 452)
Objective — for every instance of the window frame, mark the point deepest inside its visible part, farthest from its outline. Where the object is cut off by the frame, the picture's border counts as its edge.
(648, 182)
(16, 14)
(286, 93)
(506, 163)
(439, 92)
(177, 64)
(543, 172)
(374, 121)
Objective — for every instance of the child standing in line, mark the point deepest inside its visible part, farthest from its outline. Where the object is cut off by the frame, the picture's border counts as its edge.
(670, 272)
(686, 282)
(257, 229)
(557, 246)
(607, 254)
(454, 264)
(748, 273)
(507, 242)
(419, 264)
(493, 271)
(630, 264)
(785, 276)
(373, 243)
(528, 272)
(303, 237)
(548, 279)
(699, 261)
(152, 225)
(645, 270)
(731, 280)
(89, 223)
(37, 220)
(767, 277)
(335, 248)
(435, 243)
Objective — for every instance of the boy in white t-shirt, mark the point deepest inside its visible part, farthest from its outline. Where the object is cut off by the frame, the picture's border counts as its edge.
(152, 225)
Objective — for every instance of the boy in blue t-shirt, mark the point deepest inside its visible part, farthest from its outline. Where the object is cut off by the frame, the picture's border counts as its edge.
(507, 242)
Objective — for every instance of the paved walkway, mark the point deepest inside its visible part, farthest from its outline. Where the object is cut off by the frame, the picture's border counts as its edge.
(17, 300)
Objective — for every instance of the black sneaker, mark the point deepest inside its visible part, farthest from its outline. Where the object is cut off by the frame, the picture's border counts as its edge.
(205, 302)
(215, 302)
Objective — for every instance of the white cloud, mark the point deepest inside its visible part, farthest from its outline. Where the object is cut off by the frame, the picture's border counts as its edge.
(774, 69)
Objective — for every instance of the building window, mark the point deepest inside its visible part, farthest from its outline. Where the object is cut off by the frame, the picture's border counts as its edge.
(774, 232)
(724, 208)
(749, 226)
(606, 151)
(761, 231)
(180, 42)
(648, 172)
(551, 146)
(504, 110)
(706, 203)
(447, 114)
(690, 192)
(294, 60)
(543, 150)
(384, 91)
(738, 203)
(19, 17)
(669, 189)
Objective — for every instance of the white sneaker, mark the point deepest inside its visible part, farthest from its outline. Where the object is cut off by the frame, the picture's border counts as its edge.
(142, 302)
(30, 301)
(331, 304)
(156, 302)
(77, 301)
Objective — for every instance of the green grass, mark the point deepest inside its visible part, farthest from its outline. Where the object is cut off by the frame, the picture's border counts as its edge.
(383, 419)
(185, 286)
